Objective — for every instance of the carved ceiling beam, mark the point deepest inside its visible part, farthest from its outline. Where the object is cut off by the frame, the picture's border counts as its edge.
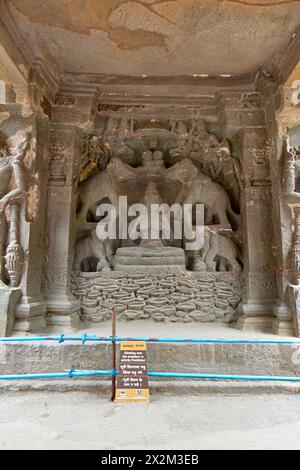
(139, 91)
(44, 82)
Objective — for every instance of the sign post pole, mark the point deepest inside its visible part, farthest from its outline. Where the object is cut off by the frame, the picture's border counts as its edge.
(114, 356)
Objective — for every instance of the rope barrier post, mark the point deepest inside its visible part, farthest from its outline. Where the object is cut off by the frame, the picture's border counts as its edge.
(114, 355)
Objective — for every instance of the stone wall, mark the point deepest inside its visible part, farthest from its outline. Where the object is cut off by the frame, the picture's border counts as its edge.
(183, 297)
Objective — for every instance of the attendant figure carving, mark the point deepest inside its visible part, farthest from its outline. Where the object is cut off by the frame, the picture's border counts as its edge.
(12, 192)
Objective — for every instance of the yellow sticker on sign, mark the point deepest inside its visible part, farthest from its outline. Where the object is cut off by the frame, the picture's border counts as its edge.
(133, 346)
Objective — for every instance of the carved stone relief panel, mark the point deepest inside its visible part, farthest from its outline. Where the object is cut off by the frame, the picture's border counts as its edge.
(167, 162)
(256, 157)
(23, 167)
(57, 158)
(13, 192)
(291, 199)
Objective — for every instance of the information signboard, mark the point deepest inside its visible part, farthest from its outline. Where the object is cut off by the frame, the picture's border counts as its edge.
(132, 379)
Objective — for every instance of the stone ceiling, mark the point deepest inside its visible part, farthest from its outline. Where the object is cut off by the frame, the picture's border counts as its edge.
(157, 37)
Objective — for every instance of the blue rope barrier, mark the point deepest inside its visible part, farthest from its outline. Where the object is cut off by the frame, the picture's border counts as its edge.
(72, 373)
(224, 377)
(60, 339)
(94, 338)
(206, 340)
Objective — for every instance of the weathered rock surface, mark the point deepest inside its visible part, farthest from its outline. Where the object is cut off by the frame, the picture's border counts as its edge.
(201, 297)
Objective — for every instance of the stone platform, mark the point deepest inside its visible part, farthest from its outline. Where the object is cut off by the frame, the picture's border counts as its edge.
(156, 260)
(283, 360)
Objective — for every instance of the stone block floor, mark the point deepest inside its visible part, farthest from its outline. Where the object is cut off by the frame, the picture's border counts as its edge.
(85, 421)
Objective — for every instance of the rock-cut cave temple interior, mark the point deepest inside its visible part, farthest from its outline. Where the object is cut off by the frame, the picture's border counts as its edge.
(160, 103)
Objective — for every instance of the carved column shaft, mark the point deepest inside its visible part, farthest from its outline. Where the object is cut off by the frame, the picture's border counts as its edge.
(259, 234)
(62, 308)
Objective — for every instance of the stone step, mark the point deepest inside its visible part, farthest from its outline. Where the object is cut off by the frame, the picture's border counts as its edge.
(102, 388)
(241, 359)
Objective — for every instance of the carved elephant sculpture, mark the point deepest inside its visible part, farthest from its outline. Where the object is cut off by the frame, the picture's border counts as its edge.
(220, 249)
(91, 254)
(93, 190)
(204, 191)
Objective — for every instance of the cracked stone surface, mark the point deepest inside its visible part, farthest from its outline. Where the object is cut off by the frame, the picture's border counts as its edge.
(157, 37)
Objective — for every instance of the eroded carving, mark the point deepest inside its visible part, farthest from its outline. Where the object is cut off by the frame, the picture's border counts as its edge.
(203, 190)
(91, 254)
(57, 159)
(176, 298)
(12, 193)
(219, 253)
(292, 197)
(212, 155)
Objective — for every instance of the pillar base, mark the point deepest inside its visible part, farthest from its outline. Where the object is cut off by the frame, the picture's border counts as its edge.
(64, 321)
(31, 324)
(8, 300)
(283, 327)
(63, 313)
(258, 308)
(256, 315)
(259, 324)
(30, 316)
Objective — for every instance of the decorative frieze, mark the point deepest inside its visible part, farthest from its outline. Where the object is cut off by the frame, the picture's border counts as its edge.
(64, 100)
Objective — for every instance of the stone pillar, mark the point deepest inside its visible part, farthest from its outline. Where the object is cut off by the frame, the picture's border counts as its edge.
(62, 308)
(295, 251)
(292, 199)
(260, 266)
(293, 289)
(283, 322)
(293, 296)
(286, 112)
(30, 311)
